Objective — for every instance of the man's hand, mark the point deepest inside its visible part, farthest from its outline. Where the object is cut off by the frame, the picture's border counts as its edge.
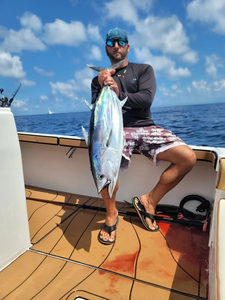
(105, 78)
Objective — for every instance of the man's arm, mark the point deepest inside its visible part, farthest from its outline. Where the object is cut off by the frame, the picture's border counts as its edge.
(146, 89)
(95, 89)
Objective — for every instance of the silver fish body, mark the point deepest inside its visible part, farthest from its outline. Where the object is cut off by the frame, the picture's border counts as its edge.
(105, 139)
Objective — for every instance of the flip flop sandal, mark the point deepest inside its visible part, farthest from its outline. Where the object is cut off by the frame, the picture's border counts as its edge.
(108, 229)
(143, 214)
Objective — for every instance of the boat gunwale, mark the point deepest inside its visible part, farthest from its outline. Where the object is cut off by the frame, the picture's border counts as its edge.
(77, 142)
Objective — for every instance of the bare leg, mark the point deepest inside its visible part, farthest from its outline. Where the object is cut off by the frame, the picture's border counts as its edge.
(111, 213)
(182, 160)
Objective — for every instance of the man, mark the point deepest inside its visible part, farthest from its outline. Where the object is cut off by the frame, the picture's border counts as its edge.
(137, 81)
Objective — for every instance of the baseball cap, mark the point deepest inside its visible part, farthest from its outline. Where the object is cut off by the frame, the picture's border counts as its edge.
(116, 33)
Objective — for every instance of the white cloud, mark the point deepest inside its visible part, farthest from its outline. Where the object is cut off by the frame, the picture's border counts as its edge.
(127, 10)
(121, 10)
(60, 32)
(173, 92)
(33, 34)
(199, 85)
(190, 57)
(95, 53)
(31, 21)
(208, 11)
(70, 89)
(66, 89)
(162, 64)
(84, 78)
(58, 100)
(11, 66)
(210, 68)
(24, 39)
(213, 62)
(43, 72)
(219, 85)
(168, 34)
(20, 104)
(26, 82)
(216, 88)
(144, 5)
(43, 97)
(93, 33)
(164, 90)
(179, 73)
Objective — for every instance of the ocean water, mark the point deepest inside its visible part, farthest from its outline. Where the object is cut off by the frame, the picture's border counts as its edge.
(195, 124)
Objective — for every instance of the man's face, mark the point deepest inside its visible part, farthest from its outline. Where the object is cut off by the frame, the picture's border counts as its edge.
(117, 52)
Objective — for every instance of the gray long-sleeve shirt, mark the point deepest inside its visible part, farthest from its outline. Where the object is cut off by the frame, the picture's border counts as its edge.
(137, 81)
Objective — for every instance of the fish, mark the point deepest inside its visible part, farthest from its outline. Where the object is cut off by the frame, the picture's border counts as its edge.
(105, 139)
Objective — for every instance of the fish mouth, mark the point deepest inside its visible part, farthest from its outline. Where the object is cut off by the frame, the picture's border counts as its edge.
(110, 185)
(106, 184)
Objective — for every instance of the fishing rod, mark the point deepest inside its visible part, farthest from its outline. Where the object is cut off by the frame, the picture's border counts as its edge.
(189, 218)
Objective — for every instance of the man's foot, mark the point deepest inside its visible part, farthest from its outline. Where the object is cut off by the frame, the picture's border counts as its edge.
(107, 234)
(146, 217)
(150, 208)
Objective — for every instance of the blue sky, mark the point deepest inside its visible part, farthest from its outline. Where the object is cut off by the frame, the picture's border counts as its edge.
(46, 44)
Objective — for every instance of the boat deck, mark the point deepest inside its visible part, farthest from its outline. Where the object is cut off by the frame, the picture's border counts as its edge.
(66, 261)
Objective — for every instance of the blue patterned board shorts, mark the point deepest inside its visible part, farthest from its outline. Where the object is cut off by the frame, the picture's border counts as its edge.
(149, 141)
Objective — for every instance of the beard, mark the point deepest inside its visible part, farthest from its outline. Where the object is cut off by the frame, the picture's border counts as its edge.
(115, 57)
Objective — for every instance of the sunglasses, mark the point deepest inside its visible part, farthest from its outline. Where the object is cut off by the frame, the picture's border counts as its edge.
(112, 42)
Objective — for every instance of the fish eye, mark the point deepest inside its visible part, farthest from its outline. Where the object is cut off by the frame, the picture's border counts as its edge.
(101, 176)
